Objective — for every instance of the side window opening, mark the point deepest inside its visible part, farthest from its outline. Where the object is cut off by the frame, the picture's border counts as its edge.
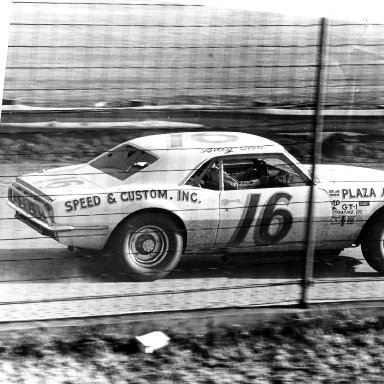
(282, 173)
(248, 173)
(263, 172)
(207, 176)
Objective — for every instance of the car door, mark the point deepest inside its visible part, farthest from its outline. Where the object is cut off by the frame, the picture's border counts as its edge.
(199, 200)
(269, 214)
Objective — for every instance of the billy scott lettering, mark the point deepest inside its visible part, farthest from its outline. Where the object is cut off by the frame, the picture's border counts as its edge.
(227, 150)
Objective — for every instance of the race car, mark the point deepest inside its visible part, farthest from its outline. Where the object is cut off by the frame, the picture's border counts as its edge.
(149, 200)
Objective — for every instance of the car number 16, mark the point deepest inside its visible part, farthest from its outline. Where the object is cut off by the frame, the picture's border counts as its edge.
(269, 216)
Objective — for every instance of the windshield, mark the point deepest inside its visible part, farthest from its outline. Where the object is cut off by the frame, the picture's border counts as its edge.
(123, 161)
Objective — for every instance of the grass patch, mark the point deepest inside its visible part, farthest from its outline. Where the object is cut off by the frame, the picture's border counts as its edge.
(319, 348)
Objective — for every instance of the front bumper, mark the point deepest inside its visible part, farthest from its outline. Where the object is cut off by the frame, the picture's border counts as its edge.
(49, 229)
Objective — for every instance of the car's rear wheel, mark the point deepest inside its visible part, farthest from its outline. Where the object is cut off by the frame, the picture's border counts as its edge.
(372, 245)
(148, 246)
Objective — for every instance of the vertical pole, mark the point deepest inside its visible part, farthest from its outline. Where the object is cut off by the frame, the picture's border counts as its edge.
(316, 159)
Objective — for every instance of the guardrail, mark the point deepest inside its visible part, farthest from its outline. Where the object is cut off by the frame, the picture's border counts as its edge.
(57, 126)
(22, 119)
(23, 109)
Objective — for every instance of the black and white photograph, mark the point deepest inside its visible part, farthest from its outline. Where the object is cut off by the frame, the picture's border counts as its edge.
(192, 192)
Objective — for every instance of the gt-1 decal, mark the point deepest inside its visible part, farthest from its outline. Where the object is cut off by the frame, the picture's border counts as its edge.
(348, 209)
(343, 214)
(347, 213)
(269, 215)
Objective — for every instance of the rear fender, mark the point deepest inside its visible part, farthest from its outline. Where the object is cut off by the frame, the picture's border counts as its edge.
(174, 217)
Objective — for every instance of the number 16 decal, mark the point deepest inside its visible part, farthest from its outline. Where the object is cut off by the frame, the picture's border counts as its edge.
(280, 220)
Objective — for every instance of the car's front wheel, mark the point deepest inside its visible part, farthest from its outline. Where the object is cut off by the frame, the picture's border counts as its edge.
(372, 244)
(148, 246)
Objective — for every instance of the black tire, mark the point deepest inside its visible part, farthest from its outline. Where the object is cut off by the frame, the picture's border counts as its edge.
(372, 245)
(148, 246)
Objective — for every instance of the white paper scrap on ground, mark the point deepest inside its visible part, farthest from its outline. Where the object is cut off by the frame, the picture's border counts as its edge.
(152, 341)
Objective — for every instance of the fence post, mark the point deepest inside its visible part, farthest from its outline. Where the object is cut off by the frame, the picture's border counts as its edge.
(316, 159)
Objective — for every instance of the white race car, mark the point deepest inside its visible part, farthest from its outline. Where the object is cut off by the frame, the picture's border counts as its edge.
(153, 198)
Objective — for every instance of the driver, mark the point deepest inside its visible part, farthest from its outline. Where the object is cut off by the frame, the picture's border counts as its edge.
(211, 180)
(250, 178)
(283, 178)
(260, 175)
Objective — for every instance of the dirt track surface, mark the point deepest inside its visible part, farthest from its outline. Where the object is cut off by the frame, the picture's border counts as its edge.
(41, 279)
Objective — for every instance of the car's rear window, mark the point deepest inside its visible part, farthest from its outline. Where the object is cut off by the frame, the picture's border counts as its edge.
(123, 161)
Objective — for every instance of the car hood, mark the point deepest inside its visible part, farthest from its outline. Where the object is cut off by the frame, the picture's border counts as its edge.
(346, 173)
(64, 181)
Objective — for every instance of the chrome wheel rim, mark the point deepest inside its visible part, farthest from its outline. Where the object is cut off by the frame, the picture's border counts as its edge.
(146, 247)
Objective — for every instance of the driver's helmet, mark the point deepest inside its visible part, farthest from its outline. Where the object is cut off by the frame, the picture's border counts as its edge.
(261, 167)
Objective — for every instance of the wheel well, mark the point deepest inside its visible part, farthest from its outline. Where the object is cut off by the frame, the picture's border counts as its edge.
(374, 217)
(174, 217)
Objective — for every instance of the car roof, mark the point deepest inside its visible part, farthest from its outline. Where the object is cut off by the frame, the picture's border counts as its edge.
(202, 142)
(180, 153)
